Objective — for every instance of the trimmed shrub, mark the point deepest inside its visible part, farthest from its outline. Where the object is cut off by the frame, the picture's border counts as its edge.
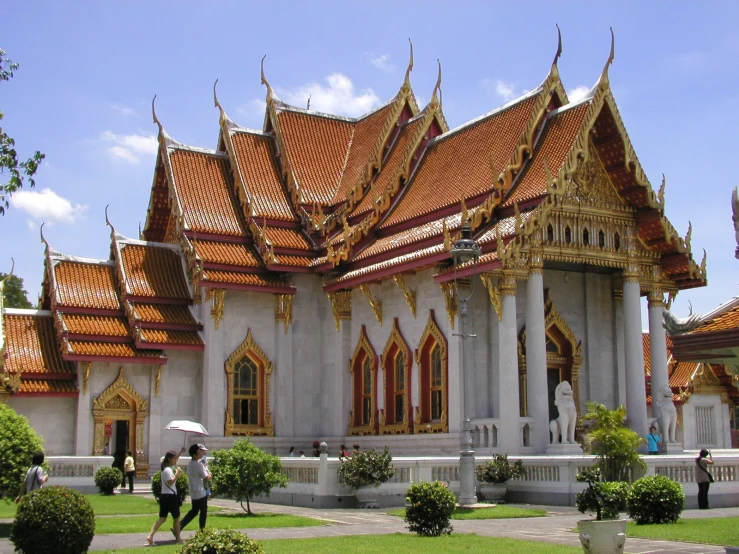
(107, 479)
(221, 541)
(655, 499)
(18, 443)
(53, 519)
(499, 470)
(367, 468)
(431, 506)
(603, 499)
(182, 483)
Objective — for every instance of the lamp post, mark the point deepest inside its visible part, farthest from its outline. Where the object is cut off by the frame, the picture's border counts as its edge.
(465, 250)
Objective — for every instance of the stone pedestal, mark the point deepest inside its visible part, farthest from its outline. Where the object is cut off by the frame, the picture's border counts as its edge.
(674, 448)
(564, 450)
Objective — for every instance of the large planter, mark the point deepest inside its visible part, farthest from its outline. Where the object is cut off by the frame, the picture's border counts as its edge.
(602, 537)
(493, 492)
(367, 496)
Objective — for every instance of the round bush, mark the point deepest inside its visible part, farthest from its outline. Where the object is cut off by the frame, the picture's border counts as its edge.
(655, 499)
(53, 519)
(221, 541)
(431, 506)
(182, 483)
(107, 479)
(18, 443)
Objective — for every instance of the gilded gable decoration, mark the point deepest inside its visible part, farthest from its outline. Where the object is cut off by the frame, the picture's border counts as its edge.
(284, 309)
(431, 415)
(249, 375)
(86, 376)
(216, 298)
(158, 380)
(363, 367)
(408, 293)
(705, 378)
(341, 305)
(490, 282)
(120, 401)
(450, 300)
(374, 302)
(396, 363)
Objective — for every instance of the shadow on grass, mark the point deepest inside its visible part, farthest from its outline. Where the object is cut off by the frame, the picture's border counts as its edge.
(5, 529)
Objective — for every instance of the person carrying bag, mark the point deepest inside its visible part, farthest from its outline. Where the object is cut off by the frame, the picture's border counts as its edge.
(703, 477)
(35, 477)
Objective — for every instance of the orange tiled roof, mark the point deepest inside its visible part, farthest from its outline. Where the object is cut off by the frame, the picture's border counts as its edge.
(166, 336)
(86, 285)
(161, 313)
(109, 349)
(722, 322)
(409, 236)
(36, 386)
(226, 253)
(255, 160)
(235, 278)
(506, 227)
(393, 262)
(458, 162)
(682, 373)
(287, 238)
(32, 346)
(391, 164)
(317, 148)
(559, 135)
(153, 271)
(203, 190)
(366, 134)
(300, 261)
(108, 326)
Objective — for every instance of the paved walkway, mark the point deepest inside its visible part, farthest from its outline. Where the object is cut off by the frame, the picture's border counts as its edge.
(556, 528)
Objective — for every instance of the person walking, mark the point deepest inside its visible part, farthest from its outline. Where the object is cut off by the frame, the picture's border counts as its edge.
(198, 475)
(703, 477)
(653, 441)
(129, 467)
(169, 500)
(35, 476)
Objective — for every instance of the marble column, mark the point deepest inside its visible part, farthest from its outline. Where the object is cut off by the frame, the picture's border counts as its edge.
(636, 394)
(84, 424)
(213, 386)
(657, 341)
(509, 439)
(536, 359)
(283, 412)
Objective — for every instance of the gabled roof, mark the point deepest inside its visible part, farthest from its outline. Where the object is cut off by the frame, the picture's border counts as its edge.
(83, 284)
(31, 345)
(152, 270)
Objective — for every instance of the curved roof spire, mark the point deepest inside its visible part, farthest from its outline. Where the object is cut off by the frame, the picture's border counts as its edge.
(163, 135)
(270, 93)
(107, 220)
(559, 46)
(12, 267)
(609, 61)
(435, 101)
(407, 80)
(216, 103)
(45, 242)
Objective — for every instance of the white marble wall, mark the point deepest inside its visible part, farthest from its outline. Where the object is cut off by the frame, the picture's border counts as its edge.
(721, 426)
(53, 419)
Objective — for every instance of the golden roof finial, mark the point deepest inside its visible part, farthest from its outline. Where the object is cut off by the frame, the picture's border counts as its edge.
(559, 46)
(465, 215)
(407, 80)
(154, 115)
(447, 236)
(435, 101)
(43, 239)
(217, 104)
(517, 216)
(688, 235)
(703, 262)
(661, 193)
(270, 93)
(609, 61)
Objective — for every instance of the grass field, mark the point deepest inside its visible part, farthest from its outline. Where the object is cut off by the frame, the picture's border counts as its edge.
(720, 530)
(497, 512)
(391, 544)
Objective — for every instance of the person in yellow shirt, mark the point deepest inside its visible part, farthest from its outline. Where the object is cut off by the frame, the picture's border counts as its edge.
(129, 470)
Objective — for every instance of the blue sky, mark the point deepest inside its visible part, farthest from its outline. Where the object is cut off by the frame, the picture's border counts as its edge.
(89, 70)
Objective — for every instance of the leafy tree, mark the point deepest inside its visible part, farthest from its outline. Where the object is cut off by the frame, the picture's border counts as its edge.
(18, 443)
(18, 171)
(14, 294)
(245, 470)
(613, 443)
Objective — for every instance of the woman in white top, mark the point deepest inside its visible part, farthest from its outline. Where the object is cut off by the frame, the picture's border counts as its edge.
(197, 473)
(35, 476)
(169, 501)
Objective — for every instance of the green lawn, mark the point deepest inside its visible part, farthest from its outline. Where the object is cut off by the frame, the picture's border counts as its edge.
(497, 512)
(720, 530)
(142, 524)
(392, 544)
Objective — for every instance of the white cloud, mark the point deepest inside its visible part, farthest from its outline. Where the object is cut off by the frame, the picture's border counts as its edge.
(125, 110)
(339, 97)
(46, 205)
(505, 90)
(577, 93)
(130, 148)
(380, 62)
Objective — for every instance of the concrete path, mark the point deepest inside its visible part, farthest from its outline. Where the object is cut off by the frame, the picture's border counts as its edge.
(556, 528)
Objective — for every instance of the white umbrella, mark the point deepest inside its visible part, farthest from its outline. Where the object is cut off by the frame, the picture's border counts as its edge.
(186, 427)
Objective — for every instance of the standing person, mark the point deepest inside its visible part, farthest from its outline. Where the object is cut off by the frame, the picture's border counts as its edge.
(197, 474)
(653, 441)
(292, 453)
(343, 452)
(169, 500)
(356, 449)
(703, 477)
(35, 476)
(129, 467)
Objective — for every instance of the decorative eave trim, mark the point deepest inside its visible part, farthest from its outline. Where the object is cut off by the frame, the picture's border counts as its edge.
(115, 359)
(252, 288)
(169, 346)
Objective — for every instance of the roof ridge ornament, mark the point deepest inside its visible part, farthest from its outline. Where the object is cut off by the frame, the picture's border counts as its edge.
(735, 218)
(559, 46)
(271, 96)
(435, 101)
(609, 61)
(407, 81)
(164, 137)
(43, 239)
(661, 193)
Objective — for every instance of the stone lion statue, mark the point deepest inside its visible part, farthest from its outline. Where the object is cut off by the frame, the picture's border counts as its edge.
(667, 413)
(563, 428)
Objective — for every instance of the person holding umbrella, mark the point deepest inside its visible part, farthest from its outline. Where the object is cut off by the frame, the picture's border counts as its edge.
(197, 473)
(169, 500)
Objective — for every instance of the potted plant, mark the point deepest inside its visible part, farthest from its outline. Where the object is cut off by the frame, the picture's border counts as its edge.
(606, 533)
(494, 475)
(614, 445)
(365, 472)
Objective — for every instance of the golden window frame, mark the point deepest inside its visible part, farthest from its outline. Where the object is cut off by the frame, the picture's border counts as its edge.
(363, 348)
(433, 332)
(396, 340)
(249, 348)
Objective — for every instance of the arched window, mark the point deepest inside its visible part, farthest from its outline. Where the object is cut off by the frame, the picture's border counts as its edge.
(568, 235)
(363, 366)
(395, 418)
(601, 238)
(432, 413)
(248, 381)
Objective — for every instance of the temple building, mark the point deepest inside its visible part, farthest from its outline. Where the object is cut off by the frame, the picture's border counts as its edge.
(296, 283)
